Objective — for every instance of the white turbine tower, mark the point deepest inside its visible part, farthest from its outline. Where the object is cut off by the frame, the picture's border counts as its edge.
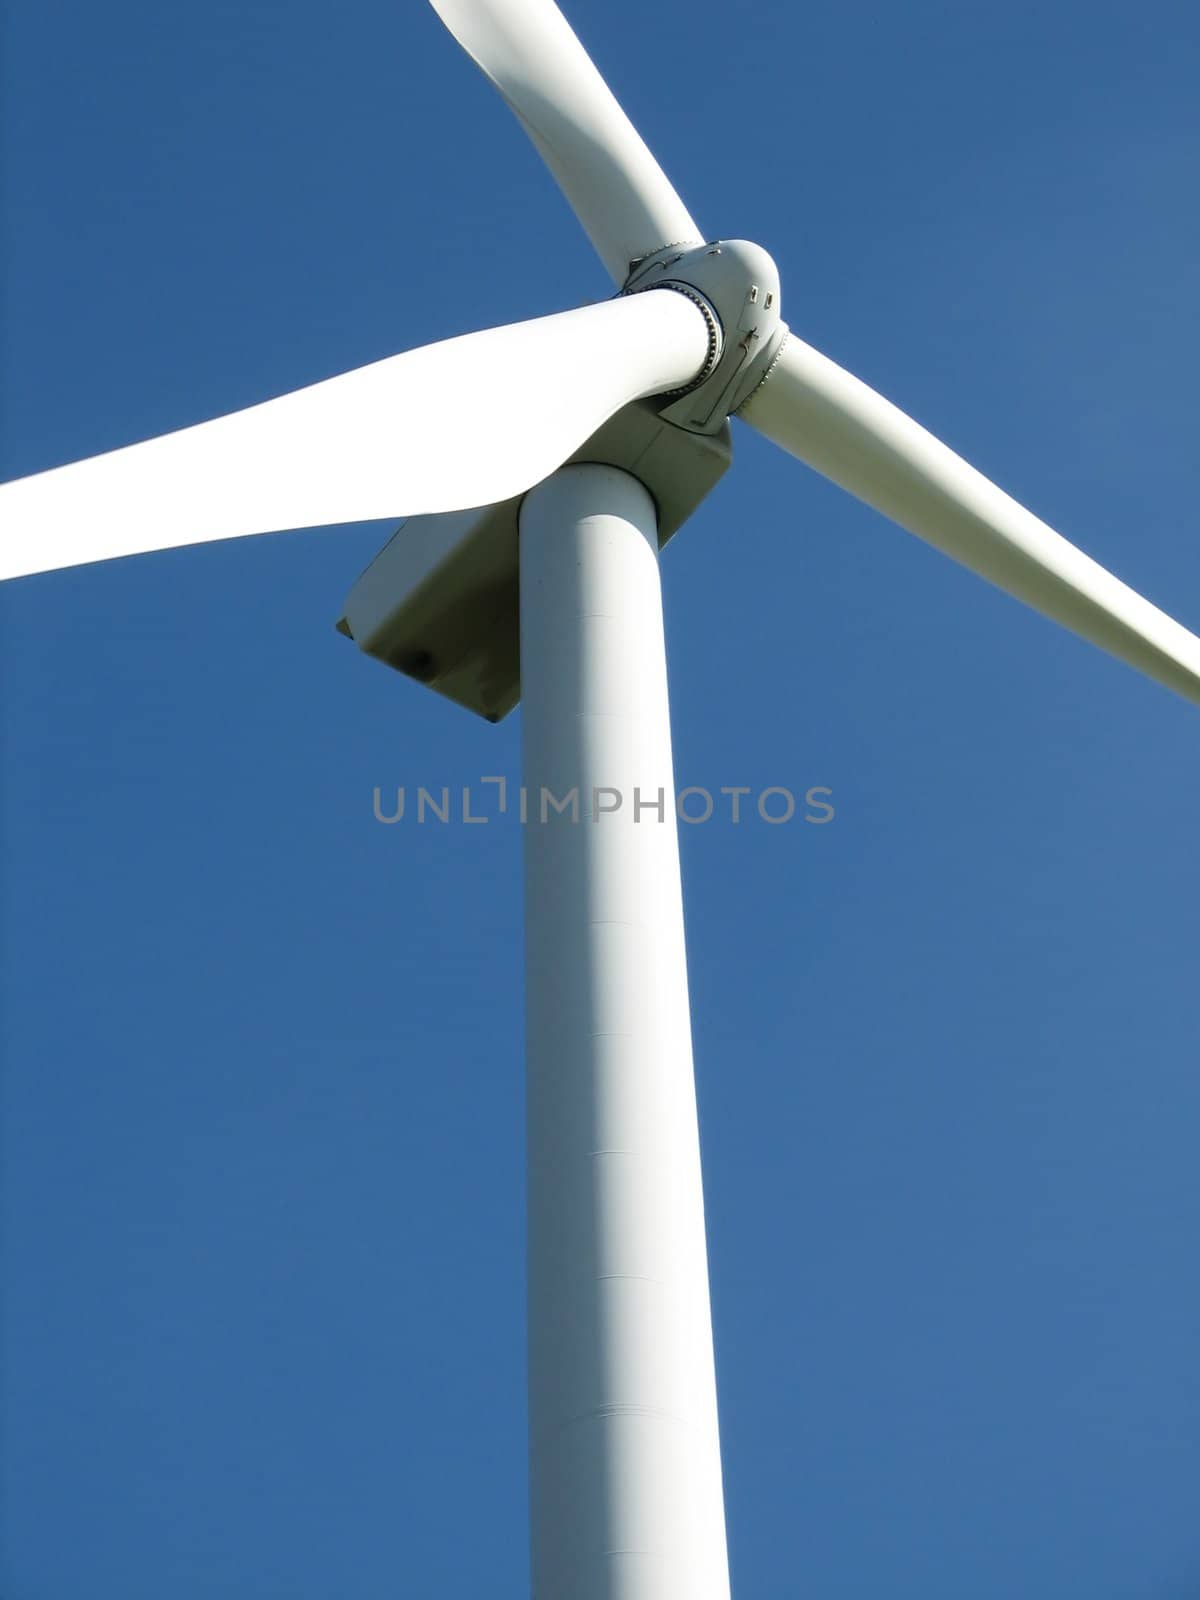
(530, 572)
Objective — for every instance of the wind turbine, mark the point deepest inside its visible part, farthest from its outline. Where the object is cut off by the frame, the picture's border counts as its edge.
(621, 1504)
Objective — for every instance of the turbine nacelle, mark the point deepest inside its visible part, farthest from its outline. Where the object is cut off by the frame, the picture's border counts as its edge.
(440, 600)
(478, 420)
(735, 283)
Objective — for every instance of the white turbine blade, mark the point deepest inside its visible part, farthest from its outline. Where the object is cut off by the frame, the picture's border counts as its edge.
(462, 423)
(614, 185)
(819, 413)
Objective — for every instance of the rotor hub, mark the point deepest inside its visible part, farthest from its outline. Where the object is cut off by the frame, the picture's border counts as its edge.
(736, 286)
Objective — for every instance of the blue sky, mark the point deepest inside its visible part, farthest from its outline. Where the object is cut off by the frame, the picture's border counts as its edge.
(262, 1181)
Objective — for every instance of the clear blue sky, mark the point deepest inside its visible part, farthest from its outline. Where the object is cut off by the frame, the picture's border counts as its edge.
(262, 1179)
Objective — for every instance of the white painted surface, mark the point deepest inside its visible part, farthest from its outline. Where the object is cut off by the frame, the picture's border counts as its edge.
(614, 185)
(820, 413)
(625, 1469)
(460, 423)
